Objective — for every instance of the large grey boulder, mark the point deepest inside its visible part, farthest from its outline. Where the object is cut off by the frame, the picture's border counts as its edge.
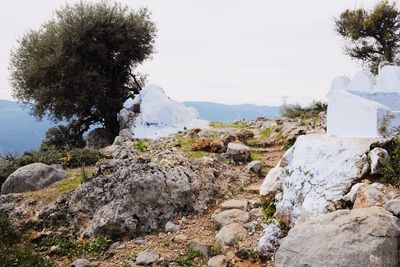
(357, 238)
(129, 196)
(238, 152)
(32, 177)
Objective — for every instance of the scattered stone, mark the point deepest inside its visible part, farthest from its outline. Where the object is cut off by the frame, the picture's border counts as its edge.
(351, 196)
(217, 261)
(254, 166)
(234, 204)
(32, 177)
(108, 151)
(343, 238)
(217, 146)
(230, 216)
(379, 158)
(238, 152)
(230, 234)
(393, 206)
(254, 188)
(369, 195)
(147, 257)
(81, 263)
(202, 144)
(180, 238)
(171, 227)
(256, 212)
(269, 241)
(200, 247)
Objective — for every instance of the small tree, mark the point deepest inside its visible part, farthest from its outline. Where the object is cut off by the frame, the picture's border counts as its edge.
(373, 36)
(80, 64)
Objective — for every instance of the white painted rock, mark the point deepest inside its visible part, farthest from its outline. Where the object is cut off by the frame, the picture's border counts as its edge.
(269, 241)
(315, 174)
(379, 157)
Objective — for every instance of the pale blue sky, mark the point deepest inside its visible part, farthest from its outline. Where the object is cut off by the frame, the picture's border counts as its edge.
(228, 51)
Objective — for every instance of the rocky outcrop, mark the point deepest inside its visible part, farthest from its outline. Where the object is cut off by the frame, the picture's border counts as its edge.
(134, 194)
(359, 238)
(238, 152)
(32, 177)
(315, 174)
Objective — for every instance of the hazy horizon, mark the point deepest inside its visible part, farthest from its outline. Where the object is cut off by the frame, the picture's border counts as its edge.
(229, 52)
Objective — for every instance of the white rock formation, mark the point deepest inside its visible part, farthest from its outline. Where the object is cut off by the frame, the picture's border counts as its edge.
(159, 115)
(315, 174)
(365, 106)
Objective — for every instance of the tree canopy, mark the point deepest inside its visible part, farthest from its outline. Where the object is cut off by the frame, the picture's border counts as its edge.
(80, 65)
(372, 35)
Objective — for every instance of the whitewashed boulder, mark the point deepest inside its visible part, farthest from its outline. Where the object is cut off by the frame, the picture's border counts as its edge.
(269, 240)
(379, 158)
(32, 177)
(315, 174)
(357, 238)
(365, 106)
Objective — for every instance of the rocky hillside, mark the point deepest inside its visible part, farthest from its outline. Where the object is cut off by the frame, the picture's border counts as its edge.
(190, 199)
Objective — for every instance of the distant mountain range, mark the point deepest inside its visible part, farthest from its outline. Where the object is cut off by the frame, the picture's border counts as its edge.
(19, 131)
(229, 113)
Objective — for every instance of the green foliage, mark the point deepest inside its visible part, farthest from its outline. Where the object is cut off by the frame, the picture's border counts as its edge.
(186, 260)
(265, 133)
(80, 64)
(71, 248)
(12, 253)
(186, 143)
(297, 111)
(217, 124)
(391, 171)
(241, 125)
(268, 213)
(141, 145)
(215, 250)
(64, 136)
(372, 35)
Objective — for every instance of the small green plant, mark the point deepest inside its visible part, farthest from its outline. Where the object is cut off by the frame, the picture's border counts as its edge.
(268, 210)
(297, 111)
(71, 248)
(265, 133)
(13, 252)
(256, 155)
(186, 260)
(279, 136)
(390, 172)
(186, 143)
(141, 145)
(217, 124)
(215, 250)
(241, 125)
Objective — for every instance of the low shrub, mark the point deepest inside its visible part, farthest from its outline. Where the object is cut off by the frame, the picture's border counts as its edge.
(391, 171)
(297, 111)
(13, 253)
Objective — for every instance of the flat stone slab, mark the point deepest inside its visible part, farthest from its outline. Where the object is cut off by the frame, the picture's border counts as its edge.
(234, 204)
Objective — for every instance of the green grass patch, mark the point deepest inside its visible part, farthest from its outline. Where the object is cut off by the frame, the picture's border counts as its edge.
(76, 248)
(14, 252)
(241, 125)
(217, 124)
(186, 260)
(141, 145)
(256, 155)
(265, 133)
(215, 250)
(186, 143)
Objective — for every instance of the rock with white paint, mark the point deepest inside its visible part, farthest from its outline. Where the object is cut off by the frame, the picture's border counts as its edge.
(269, 240)
(315, 174)
(379, 157)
